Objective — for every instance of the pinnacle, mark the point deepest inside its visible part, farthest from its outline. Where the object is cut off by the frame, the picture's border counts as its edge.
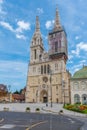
(57, 21)
(37, 24)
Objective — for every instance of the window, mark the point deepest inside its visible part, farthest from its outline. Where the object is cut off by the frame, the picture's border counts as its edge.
(84, 99)
(56, 100)
(76, 86)
(35, 54)
(48, 69)
(56, 46)
(59, 43)
(56, 87)
(83, 85)
(44, 69)
(41, 69)
(40, 56)
(76, 98)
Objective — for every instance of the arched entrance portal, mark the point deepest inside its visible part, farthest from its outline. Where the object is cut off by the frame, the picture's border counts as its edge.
(44, 96)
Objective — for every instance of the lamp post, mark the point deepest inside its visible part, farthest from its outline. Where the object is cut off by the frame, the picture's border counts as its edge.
(9, 87)
(51, 86)
(37, 96)
(63, 87)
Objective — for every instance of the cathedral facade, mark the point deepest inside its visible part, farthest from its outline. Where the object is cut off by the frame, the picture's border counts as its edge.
(47, 79)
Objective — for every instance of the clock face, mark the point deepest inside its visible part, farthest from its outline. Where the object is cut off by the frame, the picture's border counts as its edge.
(45, 79)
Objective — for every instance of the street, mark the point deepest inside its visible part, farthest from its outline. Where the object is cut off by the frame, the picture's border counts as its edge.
(37, 121)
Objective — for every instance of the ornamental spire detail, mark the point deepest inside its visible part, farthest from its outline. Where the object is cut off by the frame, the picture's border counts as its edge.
(37, 29)
(57, 24)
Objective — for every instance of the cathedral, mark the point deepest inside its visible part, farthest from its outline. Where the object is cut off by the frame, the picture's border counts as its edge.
(48, 80)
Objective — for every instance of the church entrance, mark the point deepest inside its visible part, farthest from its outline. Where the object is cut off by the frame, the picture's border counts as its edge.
(44, 99)
(44, 96)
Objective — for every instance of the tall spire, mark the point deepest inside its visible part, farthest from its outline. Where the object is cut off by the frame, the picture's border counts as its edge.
(37, 29)
(57, 21)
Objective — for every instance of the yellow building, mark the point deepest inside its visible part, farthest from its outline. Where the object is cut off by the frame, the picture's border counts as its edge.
(79, 86)
(48, 80)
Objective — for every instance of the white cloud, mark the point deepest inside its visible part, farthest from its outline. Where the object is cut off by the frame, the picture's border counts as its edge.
(7, 26)
(75, 68)
(79, 47)
(77, 37)
(40, 10)
(1, 1)
(22, 26)
(12, 72)
(70, 57)
(19, 36)
(70, 62)
(76, 52)
(2, 12)
(17, 68)
(44, 37)
(49, 24)
(83, 61)
(82, 46)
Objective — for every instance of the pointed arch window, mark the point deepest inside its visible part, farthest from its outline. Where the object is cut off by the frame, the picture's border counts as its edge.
(48, 69)
(41, 69)
(76, 98)
(56, 46)
(44, 69)
(59, 43)
(35, 53)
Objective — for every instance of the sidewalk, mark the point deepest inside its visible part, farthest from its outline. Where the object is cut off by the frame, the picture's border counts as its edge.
(21, 107)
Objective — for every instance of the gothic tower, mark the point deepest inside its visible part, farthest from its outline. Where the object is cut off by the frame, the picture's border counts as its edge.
(58, 41)
(58, 54)
(36, 48)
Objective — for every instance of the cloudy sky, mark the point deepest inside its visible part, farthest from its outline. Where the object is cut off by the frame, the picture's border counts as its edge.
(17, 24)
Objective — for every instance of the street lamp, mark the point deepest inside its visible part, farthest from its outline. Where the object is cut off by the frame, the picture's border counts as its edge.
(37, 96)
(63, 87)
(9, 87)
(51, 86)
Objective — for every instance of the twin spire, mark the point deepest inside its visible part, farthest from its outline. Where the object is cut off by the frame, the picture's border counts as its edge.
(37, 29)
(57, 25)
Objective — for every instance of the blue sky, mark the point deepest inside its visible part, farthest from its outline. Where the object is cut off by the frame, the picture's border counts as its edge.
(17, 24)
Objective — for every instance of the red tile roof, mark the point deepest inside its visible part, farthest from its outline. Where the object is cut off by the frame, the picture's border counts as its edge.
(18, 96)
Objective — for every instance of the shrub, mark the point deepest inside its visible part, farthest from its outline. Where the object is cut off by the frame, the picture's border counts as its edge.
(27, 108)
(68, 104)
(61, 111)
(78, 103)
(6, 109)
(77, 108)
(37, 109)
